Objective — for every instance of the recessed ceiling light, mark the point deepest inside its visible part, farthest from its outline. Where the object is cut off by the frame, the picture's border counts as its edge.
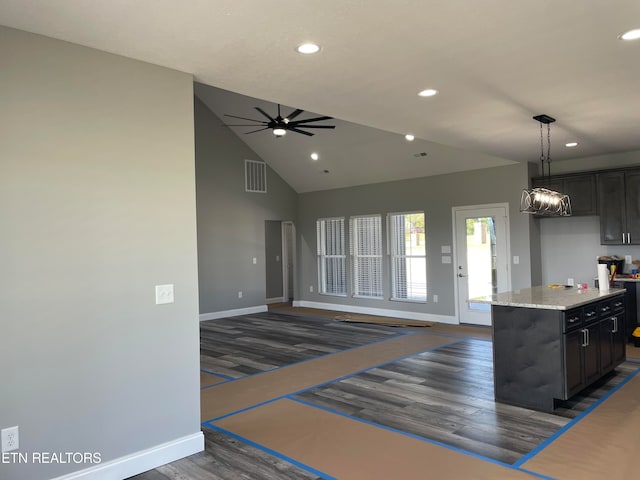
(571, 144)
(314, 156)
(409, 137)
(429, 92)
(631, 34)
(308, 48)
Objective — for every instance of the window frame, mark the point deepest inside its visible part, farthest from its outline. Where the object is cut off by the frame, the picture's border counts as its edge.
(394, 256)
(354, 238)
(323, 257)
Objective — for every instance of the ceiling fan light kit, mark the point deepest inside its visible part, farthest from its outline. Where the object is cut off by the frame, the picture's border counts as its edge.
(281, 125)
(544, 201)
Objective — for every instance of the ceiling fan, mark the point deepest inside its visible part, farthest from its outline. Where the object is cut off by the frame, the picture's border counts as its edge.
(280, 125)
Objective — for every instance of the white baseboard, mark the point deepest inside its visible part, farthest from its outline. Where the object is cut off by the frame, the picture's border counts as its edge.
(275, 300)
(383, 312)
(139, 462)
(233, 313)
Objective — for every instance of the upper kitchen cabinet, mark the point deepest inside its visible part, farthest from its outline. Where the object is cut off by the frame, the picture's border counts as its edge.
(580, 188)
(619, 201)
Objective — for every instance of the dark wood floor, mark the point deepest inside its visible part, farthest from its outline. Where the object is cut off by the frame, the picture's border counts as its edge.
(444, 395)
(226, 458)
(249, 344)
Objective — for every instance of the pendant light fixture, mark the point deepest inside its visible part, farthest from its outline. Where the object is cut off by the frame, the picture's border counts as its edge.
(544, 201)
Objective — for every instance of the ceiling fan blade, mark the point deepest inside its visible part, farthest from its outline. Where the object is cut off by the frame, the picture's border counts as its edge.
(316, 119)
(294, 114)
(244, 118)
(254, 131)
(315, 126)
(242, 125)
(297, 130)
(265, 114)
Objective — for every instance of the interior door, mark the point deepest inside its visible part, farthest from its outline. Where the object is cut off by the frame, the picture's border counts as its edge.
(482, 256)
(288, 259)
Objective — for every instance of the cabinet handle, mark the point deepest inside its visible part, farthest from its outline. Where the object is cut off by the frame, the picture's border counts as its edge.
(585, 337)
(623, 237)
(615, 324)
(628, 238)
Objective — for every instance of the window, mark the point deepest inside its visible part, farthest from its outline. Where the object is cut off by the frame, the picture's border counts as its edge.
(366, 249)
(408, 257)
(332, 258)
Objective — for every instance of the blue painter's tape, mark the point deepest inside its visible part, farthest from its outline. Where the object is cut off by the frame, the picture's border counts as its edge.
(226, 377)
(573, 422)
(271, 452)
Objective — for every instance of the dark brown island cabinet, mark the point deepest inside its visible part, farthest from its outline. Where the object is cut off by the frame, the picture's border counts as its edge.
(549, 344)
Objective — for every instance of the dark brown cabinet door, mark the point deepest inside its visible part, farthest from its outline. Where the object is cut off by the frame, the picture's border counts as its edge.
(582, 192)
(619, 339)
(592, 354)
(612, 205)
(632, 187)
(606, 344)
(573, 362)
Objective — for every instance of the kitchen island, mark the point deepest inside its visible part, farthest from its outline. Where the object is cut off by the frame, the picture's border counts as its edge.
(551, 343)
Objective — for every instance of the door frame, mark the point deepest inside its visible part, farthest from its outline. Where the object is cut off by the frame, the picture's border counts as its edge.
(455, 262)
(286, 259)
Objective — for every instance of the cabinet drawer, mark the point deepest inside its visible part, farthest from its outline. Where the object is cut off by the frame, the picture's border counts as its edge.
(617, 304)
(604, 309)
(590, 312)
(573, 319)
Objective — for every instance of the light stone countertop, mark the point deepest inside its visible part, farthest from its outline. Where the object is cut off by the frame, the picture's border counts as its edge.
(548, 298)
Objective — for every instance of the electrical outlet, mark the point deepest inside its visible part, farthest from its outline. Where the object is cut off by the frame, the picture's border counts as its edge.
(628, 259)
(164, 294)
(570, 281)
(10, 439)
(310, 288)
(240, 294)
(435, 299)
(255, 260)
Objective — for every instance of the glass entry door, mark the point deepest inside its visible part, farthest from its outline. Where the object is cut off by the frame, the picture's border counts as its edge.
(482, 259)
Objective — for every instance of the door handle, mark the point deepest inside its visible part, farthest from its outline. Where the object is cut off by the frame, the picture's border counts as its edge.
(461, 275)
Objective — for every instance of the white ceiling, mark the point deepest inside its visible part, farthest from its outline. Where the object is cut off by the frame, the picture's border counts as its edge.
(496, 63)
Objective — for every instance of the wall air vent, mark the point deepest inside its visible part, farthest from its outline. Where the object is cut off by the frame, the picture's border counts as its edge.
(255, 176)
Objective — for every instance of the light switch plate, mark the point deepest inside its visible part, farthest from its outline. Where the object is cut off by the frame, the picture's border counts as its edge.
(628, 259)
(446, 259)
(164, 294)
(516, 260)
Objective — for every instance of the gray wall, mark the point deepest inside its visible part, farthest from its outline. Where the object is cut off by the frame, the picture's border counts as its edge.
(97, 205)
(570, 247)
(231, 228)
(436, 196)
(273, 257)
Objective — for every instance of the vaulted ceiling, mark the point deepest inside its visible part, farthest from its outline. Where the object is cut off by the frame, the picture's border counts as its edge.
(495, 64)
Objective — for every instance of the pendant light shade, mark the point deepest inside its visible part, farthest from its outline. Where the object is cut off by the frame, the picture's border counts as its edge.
(542, 201)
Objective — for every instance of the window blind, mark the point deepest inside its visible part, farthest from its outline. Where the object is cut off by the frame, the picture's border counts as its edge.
(366, 251)
(332, 259)
(407, 239)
